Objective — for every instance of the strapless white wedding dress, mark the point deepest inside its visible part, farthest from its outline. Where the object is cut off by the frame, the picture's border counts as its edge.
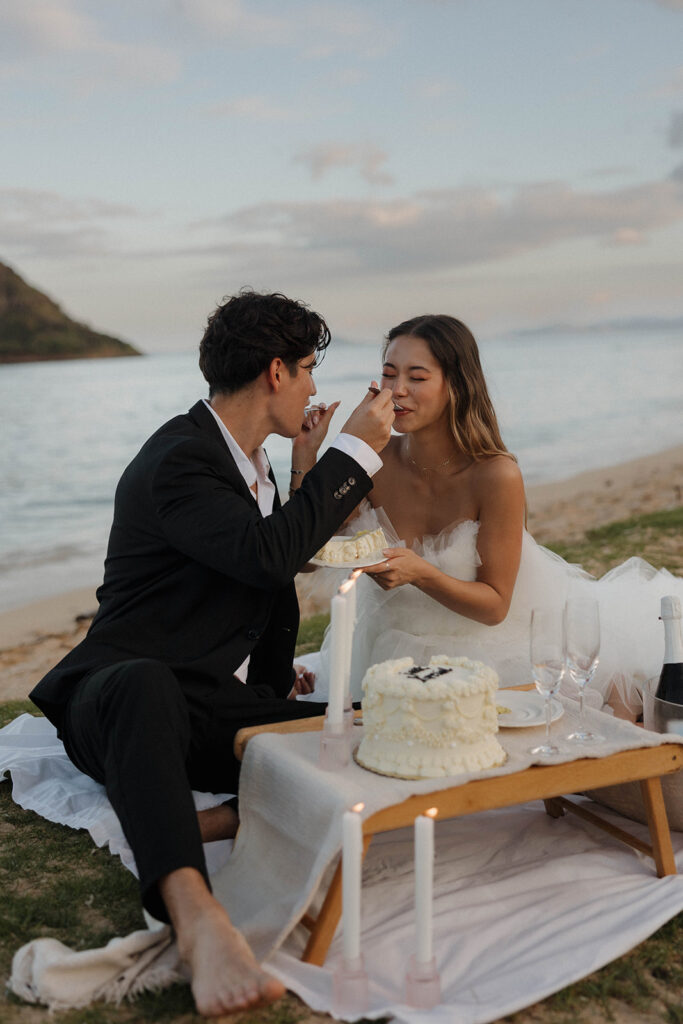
(404, 621)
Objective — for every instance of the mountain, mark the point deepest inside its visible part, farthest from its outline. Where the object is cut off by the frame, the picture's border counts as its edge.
(33, 327)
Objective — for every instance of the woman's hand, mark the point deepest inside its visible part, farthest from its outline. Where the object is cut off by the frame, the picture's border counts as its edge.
(402, 566)
(312, 434)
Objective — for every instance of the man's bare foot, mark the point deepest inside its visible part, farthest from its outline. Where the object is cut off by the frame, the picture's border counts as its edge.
(216, 823)
(225, 976)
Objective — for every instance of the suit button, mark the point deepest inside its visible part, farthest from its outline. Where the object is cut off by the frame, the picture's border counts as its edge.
(253, 634)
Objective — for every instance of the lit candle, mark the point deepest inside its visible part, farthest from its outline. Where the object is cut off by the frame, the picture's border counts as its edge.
(352, 860)
(424, 884)
(338, 630)
(348, 589)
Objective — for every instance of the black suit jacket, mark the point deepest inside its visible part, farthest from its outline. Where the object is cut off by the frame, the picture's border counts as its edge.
(195, 576)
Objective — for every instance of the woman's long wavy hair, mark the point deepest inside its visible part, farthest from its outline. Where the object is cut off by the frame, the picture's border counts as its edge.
(472, 418)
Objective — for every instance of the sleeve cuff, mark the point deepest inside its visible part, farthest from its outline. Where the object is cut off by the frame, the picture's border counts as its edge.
(359, 450)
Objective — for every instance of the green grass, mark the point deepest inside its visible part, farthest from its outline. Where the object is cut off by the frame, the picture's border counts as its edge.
(311, 633)
(657, 537)
(54, 882)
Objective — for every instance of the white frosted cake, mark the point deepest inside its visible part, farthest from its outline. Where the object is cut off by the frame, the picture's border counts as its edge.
(426, 722)
(339, 550)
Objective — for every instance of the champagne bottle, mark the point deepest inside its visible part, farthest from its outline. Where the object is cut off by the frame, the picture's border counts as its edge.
(670, 686)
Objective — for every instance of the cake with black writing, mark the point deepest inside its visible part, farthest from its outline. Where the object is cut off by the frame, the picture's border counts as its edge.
(429, 721)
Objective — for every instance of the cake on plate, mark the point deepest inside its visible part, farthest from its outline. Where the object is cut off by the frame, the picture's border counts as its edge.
(340, 550)
(429, 721)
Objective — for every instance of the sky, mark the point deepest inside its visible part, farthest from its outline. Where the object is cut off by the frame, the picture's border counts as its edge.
(515, 163)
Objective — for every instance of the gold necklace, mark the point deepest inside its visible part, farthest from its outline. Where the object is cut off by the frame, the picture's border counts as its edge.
(433, 469)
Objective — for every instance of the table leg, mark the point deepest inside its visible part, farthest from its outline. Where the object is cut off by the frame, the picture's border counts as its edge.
(659, 826)
(554, 807)
(325, 924)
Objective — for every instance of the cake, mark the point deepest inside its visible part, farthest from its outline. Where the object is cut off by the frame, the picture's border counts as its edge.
(340, 550)
(426, 722)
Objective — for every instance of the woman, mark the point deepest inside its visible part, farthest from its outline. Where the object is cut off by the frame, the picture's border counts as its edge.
(465, 574)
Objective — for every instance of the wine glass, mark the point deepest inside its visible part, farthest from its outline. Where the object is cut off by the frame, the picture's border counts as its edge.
(582, 631)
(548, 663)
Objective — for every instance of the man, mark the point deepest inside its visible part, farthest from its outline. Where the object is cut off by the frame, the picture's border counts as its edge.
(198, 617)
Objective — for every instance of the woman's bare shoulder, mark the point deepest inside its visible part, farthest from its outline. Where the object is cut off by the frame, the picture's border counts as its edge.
(498, 471)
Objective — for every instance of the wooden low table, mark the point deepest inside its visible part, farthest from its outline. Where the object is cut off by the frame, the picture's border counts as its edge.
(549, 783)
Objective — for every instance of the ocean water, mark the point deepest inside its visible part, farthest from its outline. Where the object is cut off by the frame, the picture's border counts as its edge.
(565, 404)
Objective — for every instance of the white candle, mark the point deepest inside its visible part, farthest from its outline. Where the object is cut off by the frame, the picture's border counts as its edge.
(335, 706)
(424, 884)
(352, 834)
(348, 589)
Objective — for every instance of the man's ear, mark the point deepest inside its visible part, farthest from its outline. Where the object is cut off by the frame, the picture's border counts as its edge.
(274, 373)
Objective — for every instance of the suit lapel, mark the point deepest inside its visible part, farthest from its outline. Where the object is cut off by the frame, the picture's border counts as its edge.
(208, 426)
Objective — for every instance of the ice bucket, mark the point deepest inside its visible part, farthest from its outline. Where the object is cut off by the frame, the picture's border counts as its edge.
(626, 798)
(660, 715)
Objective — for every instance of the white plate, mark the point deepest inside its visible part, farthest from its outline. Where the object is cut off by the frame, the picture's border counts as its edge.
(356, 563)
(527, 708)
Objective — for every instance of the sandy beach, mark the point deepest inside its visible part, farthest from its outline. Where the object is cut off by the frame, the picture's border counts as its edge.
(35, 637)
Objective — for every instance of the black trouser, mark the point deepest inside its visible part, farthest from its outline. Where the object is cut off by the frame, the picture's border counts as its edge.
(150, 742)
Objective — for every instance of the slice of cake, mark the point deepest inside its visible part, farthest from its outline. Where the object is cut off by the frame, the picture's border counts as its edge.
(426, 722)
(340, 550)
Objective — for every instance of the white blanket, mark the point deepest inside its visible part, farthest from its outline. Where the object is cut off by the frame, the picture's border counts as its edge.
(45, 781)
(524, 904)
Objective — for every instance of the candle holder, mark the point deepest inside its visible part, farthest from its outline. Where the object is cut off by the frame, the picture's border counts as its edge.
(350, 987)
(423, 984)
(335, 747)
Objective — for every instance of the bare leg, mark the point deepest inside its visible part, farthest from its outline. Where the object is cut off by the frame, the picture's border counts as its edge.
(218, 823)
(225, 975)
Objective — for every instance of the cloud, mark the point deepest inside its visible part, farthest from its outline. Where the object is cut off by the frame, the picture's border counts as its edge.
(45, 28)
(676, 129)
(232, 18)
(434, 88)
(437, 231)
(254, 108)
(318, 30)
(627, 236)
(673, 5)
(423, 234)
(329, 155)
(41, 223)
(672, 84)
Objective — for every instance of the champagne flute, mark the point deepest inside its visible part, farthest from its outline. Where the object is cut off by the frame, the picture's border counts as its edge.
(582, 629)
(548, 662)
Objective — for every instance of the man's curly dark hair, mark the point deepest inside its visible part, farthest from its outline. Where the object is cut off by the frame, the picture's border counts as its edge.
(249, 330)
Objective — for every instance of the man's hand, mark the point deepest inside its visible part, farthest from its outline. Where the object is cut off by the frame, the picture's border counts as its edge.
(304, 682)
(371, 421)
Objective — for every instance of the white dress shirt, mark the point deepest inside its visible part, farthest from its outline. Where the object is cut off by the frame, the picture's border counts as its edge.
(255, 470)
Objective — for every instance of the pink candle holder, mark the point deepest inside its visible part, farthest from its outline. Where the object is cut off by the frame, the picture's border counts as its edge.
(423, 984)
(335, 746)
(350, 987)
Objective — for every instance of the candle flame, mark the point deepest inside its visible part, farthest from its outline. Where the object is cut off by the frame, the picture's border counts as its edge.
(432, 812)
(358, 807)
(347, 584)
